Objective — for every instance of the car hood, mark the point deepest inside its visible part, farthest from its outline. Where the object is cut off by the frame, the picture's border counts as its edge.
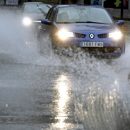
(81, 27)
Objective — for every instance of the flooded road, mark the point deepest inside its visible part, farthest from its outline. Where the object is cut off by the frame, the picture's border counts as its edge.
(34, 94)
(50, 92)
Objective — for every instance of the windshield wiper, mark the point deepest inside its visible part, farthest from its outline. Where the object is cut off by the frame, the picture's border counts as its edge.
(42, 11)
(90, 22)
(81, 22)
(64, 22)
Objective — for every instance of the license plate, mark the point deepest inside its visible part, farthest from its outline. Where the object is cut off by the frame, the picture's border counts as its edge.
(91, 44)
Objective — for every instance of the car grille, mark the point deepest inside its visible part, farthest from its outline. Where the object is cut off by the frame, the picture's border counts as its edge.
(102, 35)
(79, 35)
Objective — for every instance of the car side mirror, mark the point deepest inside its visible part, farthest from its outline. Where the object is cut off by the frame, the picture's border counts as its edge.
(46, 22)
(120, 22)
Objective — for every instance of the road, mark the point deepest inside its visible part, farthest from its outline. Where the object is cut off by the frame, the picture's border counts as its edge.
(31, 94)
(48, 92)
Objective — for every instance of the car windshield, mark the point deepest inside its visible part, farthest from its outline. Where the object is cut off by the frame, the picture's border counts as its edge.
(81, 14)
(32, 8)
(44, 8)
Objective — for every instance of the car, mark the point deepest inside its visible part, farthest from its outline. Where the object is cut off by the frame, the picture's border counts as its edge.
(33, 11)
(89, 28)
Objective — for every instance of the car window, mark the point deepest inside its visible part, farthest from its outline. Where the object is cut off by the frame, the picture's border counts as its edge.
(83, 14)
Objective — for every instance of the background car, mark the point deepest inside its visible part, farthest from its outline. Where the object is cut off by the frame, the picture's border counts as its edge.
(90, 28)
(33, 11)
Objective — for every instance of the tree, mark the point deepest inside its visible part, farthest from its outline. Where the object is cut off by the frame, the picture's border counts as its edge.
(117, 3)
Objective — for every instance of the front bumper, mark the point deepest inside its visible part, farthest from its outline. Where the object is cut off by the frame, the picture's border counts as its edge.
(109, 48)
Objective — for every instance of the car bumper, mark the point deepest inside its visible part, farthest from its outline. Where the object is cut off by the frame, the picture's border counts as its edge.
(109, 48)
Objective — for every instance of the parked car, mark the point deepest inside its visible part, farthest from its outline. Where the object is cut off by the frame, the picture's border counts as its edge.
(90, 28)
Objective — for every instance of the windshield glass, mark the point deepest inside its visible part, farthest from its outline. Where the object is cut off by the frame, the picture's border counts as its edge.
(44, 8)
(83, 14)
(31, 8)
(36, 8)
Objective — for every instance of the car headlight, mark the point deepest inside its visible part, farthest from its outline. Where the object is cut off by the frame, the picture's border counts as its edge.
(27, 21)
(116, 35)
(64, 34)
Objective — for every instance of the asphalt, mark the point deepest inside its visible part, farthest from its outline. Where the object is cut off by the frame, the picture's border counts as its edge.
(30, 98)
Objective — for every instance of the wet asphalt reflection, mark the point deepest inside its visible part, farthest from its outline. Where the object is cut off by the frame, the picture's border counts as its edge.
(32, 94)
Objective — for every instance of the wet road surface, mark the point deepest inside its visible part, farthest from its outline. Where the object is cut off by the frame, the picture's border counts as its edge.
(69, 95)
(32, 94)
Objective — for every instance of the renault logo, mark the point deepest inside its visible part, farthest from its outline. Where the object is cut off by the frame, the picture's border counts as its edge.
(91, 36)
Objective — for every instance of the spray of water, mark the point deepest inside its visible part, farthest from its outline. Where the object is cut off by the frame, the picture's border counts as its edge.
(102, 93)
(19, 43)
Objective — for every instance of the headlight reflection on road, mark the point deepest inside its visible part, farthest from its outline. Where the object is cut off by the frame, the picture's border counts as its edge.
(63, 87)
